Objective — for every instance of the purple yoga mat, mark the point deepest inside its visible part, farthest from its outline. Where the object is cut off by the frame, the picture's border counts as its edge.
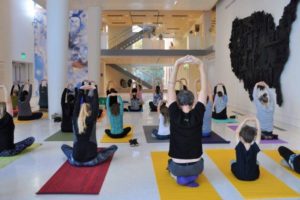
(232, 127)
(279, 141)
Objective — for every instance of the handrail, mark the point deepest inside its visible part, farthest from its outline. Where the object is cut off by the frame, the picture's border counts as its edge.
(119, 38)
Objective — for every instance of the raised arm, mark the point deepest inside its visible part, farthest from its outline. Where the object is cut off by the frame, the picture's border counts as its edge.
(172, 81)
(258, 136)
(203, 92)
(195, 86)
(238, 130)
(29, 92)
(120, 100)
(77, 103)
(94, 102)
(63, 96)
(224, 89)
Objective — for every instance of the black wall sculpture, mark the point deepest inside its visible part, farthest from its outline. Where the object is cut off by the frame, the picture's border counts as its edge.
(259, 50)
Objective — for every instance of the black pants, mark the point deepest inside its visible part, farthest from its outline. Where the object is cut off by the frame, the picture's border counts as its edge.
(35, 115)
(266, 135)
(153, 107)
(121, 135)
(220, 115)
(241, 175)
(140, 109)
(290, 157)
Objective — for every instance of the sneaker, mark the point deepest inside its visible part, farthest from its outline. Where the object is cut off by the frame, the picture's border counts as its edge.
(133, 142)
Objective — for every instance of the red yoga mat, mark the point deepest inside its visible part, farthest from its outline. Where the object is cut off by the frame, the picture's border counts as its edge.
(76, 180)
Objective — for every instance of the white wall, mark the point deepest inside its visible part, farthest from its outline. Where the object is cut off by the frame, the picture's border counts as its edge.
(22, 13)
(16, 34)
(290, 111)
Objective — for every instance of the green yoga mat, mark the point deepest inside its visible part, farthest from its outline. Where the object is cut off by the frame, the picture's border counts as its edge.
(61, 136)
(7, 160)
(224, 121)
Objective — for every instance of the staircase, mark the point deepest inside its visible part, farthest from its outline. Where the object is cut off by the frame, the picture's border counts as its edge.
(131, 39)
(130, 75)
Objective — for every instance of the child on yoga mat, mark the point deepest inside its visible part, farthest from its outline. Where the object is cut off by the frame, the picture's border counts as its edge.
(7, 127)
(220, 103)
(84, 151)
(245, 167)
(290, 158)
(157, 97)
(206, 127)
(265, 105)
(186, 162)
(114, 105)
(24, 109)
(135, 102)
(163, 131)
(67, 106)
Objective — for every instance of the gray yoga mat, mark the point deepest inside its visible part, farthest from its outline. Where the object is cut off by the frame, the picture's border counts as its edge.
(60, 136)
(213, 139)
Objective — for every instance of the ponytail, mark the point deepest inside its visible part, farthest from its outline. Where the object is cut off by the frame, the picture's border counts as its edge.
(83, 114)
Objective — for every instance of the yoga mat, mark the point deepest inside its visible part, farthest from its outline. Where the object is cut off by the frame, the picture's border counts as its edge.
(274, 155)
(170, 190)
(106, 139)
(76, 180)
(224, 121)
(60, 136)
(278, 141)
(7, 160)
(267, 185)
(213, 139)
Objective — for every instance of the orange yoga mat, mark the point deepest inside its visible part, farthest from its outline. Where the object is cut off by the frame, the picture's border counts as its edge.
(267, 186)
(170, 190)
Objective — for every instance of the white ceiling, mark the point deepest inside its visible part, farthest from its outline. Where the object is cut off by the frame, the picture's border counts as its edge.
(141, 4)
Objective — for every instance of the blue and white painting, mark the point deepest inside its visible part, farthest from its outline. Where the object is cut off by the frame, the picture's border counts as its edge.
(78, 47)
(77, 62)
(40, 46)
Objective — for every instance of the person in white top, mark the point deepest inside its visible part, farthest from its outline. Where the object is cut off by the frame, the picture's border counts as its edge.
(163, 131)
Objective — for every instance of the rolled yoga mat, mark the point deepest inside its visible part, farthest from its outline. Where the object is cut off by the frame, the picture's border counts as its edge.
(60, 136)
(225, 121)
(274, 155)
(4, 161)
(266, 186)
(278, 141)
(76, 180)
(106, 139)
(170, 190)
(213, 139)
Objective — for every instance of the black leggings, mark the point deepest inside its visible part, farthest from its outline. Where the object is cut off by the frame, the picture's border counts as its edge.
(140, 109)
(121, 135)
(35, 115)
(220, 115)
(153, 107)
(290, 157)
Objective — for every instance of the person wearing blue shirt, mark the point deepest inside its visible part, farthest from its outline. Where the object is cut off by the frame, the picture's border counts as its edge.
(114, 105)
(220, 103)
(265, 106)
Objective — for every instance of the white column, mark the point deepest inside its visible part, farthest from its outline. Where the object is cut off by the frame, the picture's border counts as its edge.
(57, 41)
(93, 34)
